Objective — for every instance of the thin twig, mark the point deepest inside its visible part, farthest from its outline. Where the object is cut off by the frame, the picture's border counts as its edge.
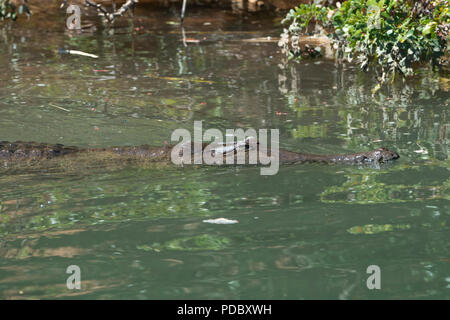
(183, 9)
(129, 4)
(99, 8)
(55, 106)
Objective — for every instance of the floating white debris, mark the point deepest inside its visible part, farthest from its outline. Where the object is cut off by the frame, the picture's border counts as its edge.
(220, 221)
(77, 52)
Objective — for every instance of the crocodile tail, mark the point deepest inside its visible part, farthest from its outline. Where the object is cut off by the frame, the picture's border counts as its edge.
(32, 150)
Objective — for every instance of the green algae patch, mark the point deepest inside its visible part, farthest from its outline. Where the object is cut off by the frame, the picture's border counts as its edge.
(377, 228)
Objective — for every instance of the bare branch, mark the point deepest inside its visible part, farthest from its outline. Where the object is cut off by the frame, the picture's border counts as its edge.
(100, 9)
(129, 4)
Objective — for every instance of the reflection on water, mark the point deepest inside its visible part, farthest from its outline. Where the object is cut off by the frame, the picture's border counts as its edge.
(137, 232)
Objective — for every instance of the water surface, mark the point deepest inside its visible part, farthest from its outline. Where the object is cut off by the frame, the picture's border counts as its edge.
(309, 232)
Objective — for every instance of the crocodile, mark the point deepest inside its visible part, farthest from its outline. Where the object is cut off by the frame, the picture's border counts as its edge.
(20, 152)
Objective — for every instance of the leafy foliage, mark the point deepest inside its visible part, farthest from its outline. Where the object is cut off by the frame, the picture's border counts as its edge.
(389, 35)
(300, 21)
(9, 10)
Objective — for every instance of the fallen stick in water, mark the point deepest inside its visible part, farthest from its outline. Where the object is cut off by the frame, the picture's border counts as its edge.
(80, 53)
(58, 107)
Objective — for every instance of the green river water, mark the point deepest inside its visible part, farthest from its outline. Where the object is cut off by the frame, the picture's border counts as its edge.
(308, 232)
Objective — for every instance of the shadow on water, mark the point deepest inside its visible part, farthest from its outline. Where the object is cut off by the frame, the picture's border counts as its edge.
(310, 231)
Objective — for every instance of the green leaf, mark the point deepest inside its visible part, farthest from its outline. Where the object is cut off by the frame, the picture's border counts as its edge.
(430, 27)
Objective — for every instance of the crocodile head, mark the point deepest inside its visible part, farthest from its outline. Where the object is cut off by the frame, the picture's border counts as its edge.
(382, 155)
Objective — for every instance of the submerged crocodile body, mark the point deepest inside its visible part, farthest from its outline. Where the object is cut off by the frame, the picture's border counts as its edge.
(16, 152)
